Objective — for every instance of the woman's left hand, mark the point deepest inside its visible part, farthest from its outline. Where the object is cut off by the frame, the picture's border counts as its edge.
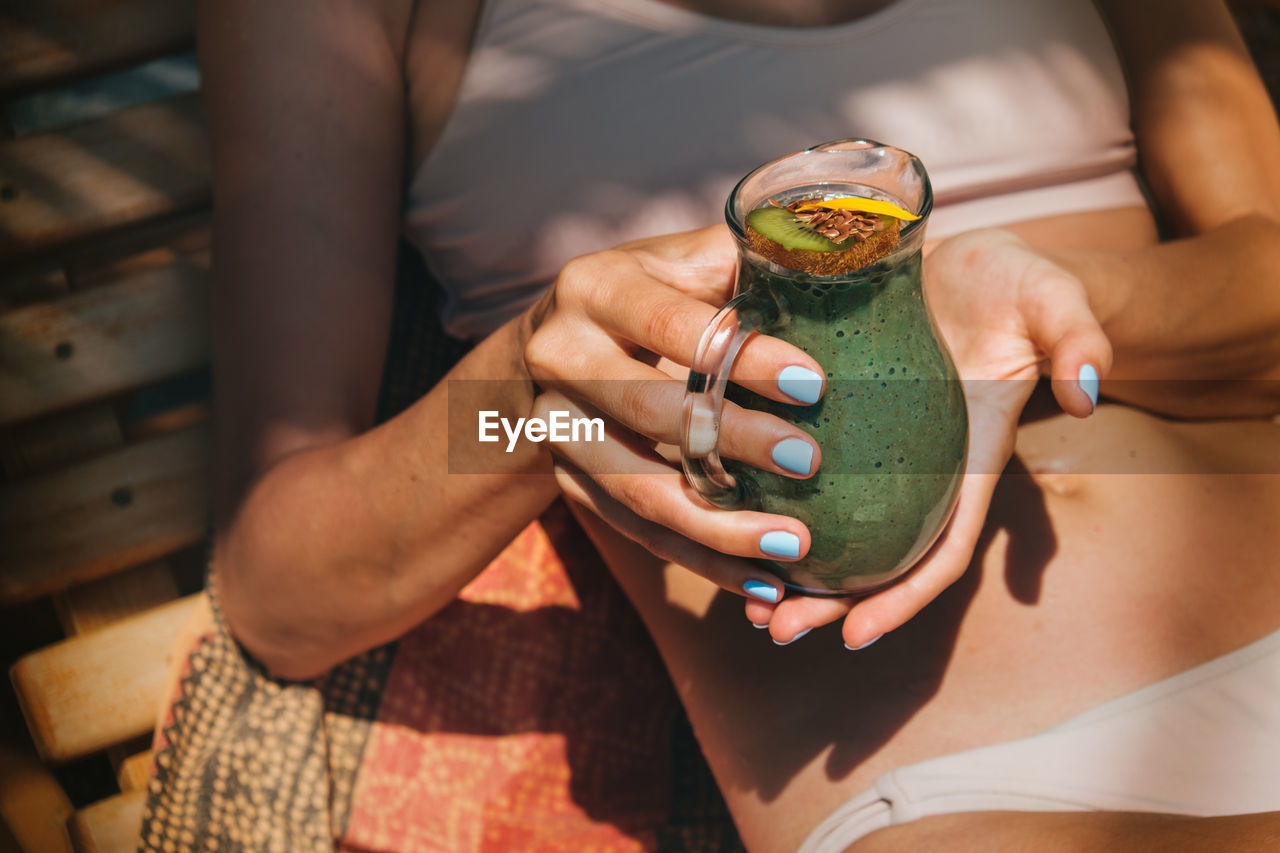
(1007, 313)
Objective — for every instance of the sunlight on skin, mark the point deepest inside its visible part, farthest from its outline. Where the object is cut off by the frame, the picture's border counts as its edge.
(689, 592)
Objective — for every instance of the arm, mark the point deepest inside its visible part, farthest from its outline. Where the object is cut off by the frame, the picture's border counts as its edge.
(1204, 306)
(1200, 316)
(334, 536)
(1206, 128)
(331, 537)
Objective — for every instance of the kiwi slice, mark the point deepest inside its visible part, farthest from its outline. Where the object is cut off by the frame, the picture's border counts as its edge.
(781, 226)
(773, 231)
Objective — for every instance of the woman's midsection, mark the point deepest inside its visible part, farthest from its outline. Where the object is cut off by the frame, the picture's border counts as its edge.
(1119, 550)
(1124, 548)
(1099, 572)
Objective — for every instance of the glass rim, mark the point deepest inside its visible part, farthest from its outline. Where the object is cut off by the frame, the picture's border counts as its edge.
(736, 222)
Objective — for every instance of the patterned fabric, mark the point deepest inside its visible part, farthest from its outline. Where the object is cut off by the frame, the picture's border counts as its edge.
(247, 762)
(533, 713)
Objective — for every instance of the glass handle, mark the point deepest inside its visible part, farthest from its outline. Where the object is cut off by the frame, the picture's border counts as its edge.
(738, 320)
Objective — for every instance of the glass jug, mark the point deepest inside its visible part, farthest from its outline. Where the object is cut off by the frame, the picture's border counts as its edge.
(891, 423)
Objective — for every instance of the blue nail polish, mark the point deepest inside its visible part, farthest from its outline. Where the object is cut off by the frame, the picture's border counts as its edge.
(760, 590)
(800, 383)
(1088, 382)
(793, 639)
(780, 543)
(864, 645)
(793, 454)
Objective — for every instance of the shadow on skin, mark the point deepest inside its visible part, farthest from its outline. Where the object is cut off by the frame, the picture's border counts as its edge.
(1018, 508)
(763, 712)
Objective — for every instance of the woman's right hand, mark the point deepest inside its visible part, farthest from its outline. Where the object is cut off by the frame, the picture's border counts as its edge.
(1009, 315)
(613, 338)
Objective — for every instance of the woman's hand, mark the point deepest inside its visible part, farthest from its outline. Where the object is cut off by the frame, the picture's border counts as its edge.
(613, 339)
(1007, 313)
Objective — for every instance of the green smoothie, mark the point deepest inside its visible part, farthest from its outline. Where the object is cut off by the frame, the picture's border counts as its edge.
(892, 423)
(830, 242)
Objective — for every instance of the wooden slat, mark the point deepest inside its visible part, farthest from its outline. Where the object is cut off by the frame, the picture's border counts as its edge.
(97, 604)
(176, 240)
(88, 693)
(89, 345)
(33, 807)
(62, 439)
(49, 41)
(178, 417)
(33, 285)
(135, 164)
(134, 772)
(129, 507)
(183, 237)
(109, 826)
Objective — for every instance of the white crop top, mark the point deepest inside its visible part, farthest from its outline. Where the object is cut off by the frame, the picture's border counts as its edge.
(583, 123)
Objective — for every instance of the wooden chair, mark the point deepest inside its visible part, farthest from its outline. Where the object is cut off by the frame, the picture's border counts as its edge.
(103, 403)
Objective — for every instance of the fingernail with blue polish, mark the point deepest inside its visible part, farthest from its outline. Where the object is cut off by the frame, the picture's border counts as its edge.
(780, 543)
(794, 455)
(760, 590)
(793, 639)
(1088, 382)
(864, 645)
(760, 627)
(800, 383)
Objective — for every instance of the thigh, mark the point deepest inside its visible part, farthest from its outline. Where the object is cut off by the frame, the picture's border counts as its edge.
(1090, 581)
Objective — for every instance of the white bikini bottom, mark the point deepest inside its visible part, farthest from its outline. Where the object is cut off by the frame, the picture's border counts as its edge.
(1203, 742)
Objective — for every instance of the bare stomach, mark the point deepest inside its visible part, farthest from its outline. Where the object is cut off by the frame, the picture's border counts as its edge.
(1119, 550)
